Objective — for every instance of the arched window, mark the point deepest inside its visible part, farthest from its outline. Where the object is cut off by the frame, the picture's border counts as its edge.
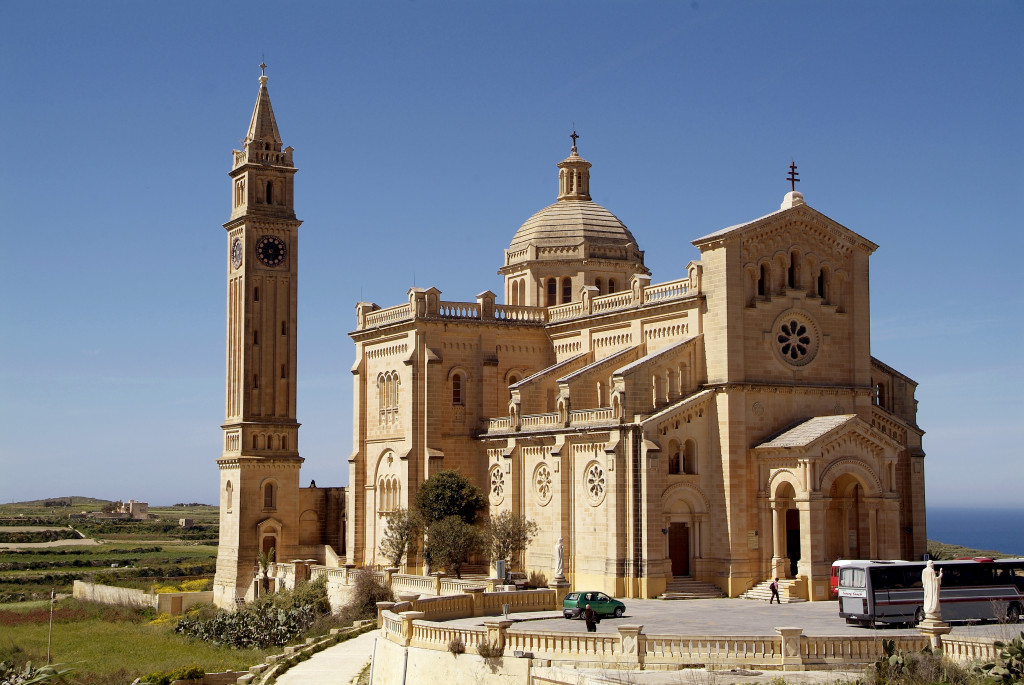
(513, 293)
(284, 371)
(255, 381)
(256, 294)
(229, 496)
(566, 290)
(597, 284)
(823, 285)
(673, 457)
(689, 457)
(284, 442)
(793, 275)
(270, 192)
(284, 328)
(611, 285)
(880, 395)
(255, 442)
(552, 292)
(762, 281)
(268, 496)
(255, 337)
(522, 291)
(457, 389)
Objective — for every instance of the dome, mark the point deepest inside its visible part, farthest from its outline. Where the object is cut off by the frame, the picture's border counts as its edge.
(569, 223)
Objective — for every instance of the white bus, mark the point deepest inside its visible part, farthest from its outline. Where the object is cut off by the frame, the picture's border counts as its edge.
(978, 589)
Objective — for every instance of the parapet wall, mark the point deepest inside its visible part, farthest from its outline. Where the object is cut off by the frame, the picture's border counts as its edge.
(173, 603)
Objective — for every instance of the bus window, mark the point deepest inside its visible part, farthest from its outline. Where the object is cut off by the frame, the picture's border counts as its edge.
(851, 577)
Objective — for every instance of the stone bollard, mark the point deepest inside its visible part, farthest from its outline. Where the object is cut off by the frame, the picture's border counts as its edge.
(381, 608)
(497, 631)
(407, 618)
(388, 573)
(630, 644)
(477, 593)
(437, 576)
(791, 658)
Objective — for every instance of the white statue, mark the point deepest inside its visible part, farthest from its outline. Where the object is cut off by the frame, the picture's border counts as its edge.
(559, 560)
(931, 583)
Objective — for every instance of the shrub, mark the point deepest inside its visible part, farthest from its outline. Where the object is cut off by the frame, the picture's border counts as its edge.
(403, 526)
(456, 646)
(168, 677)
(366, 592)
(1009, 665)
(450, 542)
(897, 667)
(509, 534)
(489, 651)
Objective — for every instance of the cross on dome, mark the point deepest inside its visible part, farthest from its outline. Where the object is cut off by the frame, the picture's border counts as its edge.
(574, 136)
(792, 177)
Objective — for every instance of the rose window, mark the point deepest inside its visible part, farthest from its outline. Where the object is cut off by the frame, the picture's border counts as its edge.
(542, 483)
(497, 485)
(796, 338)
(595, 483)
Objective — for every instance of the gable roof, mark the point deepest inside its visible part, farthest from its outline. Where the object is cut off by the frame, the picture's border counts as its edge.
(803, 434)
(798, 210)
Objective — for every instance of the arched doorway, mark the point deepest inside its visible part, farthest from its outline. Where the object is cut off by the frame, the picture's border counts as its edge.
(679, 547)
(847, 534)
(785, 531)
(684, 508)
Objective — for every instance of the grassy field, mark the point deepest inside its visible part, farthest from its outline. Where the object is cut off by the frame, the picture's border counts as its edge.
(132, 553)
(109, 645)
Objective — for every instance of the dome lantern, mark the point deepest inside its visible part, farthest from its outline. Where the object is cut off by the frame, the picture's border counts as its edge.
(573, 176)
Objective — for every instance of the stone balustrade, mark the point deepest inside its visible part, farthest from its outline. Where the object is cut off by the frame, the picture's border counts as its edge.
(425, 304)
(551, 420)
(584, 416)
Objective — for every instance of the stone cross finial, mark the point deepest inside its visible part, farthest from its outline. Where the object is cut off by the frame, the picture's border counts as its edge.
(263, 69)
(792, 178)
(574, 137)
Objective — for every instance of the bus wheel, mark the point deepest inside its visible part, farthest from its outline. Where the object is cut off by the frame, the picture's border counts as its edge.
(1013, 613)
(918, 616)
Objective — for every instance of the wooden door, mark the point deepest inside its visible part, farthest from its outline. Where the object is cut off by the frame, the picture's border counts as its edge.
(679, 548)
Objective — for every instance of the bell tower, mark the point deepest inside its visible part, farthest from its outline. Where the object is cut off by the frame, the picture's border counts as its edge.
(259, 465)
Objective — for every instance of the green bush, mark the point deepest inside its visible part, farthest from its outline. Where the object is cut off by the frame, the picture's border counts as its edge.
(1009, 665)
(168, 677)
(271, 621)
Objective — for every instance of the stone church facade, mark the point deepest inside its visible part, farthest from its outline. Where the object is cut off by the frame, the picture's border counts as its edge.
(727, 425)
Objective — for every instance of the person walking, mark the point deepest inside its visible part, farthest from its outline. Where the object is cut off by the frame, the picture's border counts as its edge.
(775, 592)
(590, 618)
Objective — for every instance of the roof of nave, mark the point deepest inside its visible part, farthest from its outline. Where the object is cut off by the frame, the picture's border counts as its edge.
(808, 431)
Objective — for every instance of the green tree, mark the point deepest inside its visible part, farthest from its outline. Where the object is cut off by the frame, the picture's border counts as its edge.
(508, 534)
(400, 535)
(450, 541)
(449, 493)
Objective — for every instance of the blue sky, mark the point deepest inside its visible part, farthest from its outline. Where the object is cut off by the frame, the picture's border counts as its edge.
(425, 133)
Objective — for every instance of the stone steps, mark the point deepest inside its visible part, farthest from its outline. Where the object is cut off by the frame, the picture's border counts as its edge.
(789, 591)
(685, 587)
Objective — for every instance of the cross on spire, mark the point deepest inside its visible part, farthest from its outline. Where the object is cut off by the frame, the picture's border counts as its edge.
(792, 178)
(574, 137)
(263, 69)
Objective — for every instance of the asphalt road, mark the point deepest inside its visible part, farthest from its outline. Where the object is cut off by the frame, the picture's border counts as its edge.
(728, 617)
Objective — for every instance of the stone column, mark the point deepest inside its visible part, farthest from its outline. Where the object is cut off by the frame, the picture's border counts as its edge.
(381, 608)
(631, 644)
(780, 565)
(791, 659)
(873, 529)
(497, 632)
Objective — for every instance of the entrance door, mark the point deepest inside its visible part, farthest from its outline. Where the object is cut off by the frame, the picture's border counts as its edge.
(793, 540)
(679, 548)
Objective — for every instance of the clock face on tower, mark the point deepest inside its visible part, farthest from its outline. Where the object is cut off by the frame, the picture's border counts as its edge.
(271, 250)
(236, 253)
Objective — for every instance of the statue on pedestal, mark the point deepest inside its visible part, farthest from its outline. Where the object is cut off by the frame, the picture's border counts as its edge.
(559, 560)
(931, 582)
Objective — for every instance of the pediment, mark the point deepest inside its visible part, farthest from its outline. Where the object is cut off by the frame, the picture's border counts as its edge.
(825, 436)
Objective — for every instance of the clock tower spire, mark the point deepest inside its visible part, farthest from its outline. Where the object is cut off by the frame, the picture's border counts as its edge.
(259, 464)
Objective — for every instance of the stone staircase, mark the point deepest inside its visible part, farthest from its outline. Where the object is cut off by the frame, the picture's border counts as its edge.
(685, 587)
(791, 590)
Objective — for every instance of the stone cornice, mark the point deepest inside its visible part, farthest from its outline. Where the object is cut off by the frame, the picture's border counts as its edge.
(257, 462)
(790, 388)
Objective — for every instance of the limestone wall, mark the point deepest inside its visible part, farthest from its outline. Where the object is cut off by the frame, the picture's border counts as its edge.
(391, 663)
(176, 603)
(109, 594)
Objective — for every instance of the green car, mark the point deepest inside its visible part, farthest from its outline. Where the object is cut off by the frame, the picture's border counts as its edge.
(603, 605)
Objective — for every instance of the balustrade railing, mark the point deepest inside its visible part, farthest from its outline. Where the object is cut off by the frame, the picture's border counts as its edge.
(506, 312)
(565, 311)
(540, 420)
(499, 424)
(459, 310)
(607, 303)
(389, 315)
(402, 582)
(669, 290)
(601, 415)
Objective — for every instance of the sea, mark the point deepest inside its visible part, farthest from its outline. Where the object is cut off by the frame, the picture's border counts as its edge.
(999, 530)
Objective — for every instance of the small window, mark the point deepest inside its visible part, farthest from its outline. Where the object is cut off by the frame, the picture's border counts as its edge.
(566, 290)
(229, 492)
(284, 328)
(256, 294)
(268, 496)
(611, 285)
(457, 389)
(762, 280)
(552, 292)
(284, 371)
(255, 380)
(255, 337)
(270, 193)
(597, 284)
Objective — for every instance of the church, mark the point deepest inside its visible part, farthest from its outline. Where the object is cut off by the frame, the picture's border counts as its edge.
(728, 425)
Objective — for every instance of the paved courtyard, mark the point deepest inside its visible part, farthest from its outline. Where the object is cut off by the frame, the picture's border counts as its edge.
(726, 617)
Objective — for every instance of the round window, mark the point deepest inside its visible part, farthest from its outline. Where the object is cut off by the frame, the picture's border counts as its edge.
(796, 338)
